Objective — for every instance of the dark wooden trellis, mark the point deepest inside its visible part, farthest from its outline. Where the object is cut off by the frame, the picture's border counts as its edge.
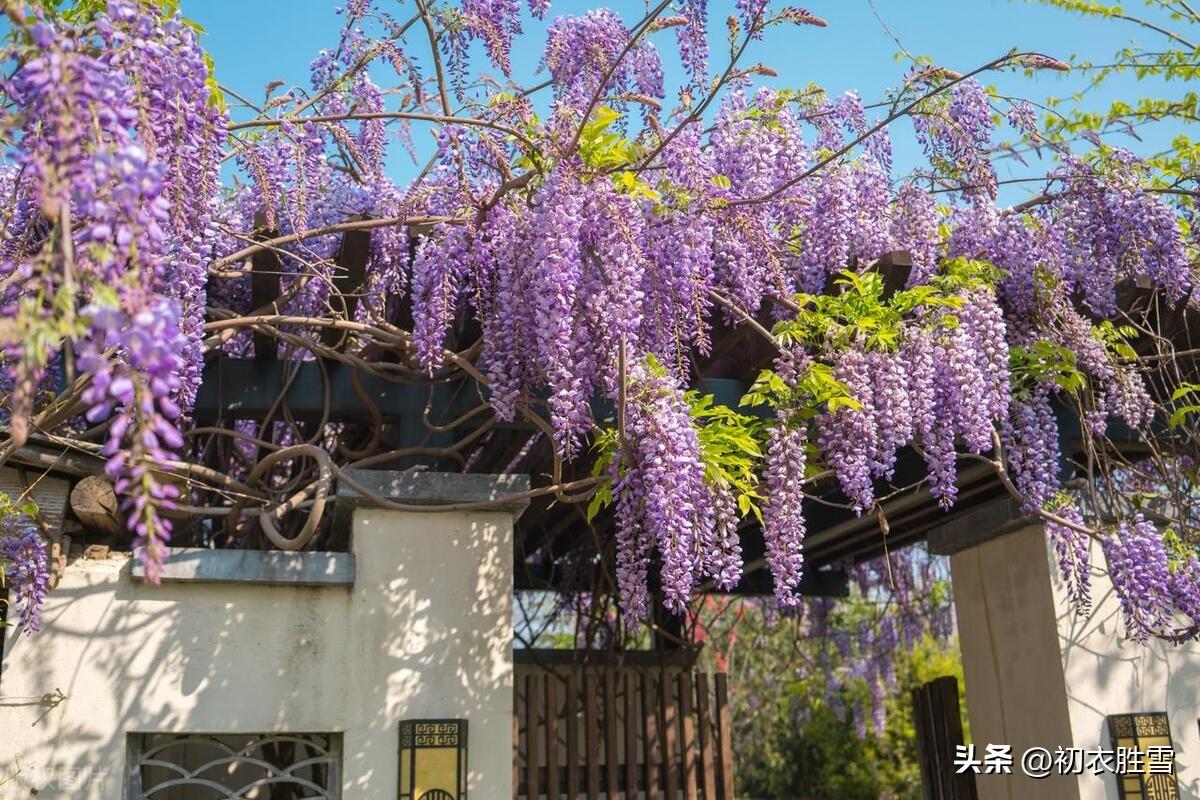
(608, 734)
(938, 721)
(417, 416)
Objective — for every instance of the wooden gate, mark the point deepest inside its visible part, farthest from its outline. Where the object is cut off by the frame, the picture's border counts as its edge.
(938, 722)
(622, 733)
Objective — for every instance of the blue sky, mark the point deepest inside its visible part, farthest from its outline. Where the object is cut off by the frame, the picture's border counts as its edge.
(255, 41)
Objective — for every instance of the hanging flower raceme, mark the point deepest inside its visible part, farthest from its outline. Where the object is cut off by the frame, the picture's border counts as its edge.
(914, 229)
(182, 127)
(573, 277)
(956, 130)
(582, 51)
(692, 36)
(120, 148)
(135, 364)
(1120, 230)
(595, 249)
(847, 436)
(24, 566)
(70, 178)
(1159, 590)
(783, 514)
(663, 500)
(556, 281)
(436, 284)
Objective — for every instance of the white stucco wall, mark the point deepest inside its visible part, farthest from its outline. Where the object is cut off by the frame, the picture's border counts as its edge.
(425, 631)
(1038, 674)
(1109, 674)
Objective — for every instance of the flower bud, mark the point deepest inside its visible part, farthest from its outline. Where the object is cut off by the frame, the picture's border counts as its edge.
(663, 23)
(802, 16)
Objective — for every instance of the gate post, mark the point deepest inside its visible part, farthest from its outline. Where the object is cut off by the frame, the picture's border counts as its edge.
(1039, 675)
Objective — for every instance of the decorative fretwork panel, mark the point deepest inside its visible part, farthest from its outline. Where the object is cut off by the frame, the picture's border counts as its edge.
(1150, 736)
(270, 766)
(433, 759)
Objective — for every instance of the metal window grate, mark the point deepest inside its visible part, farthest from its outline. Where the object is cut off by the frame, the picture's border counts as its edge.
(172, 766)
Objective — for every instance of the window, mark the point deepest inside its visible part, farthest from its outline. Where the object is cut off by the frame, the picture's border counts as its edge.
(268, 766)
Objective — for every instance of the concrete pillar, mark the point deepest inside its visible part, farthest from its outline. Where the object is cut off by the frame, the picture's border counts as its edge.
(1037, 674)
(1008, 634)
(417, 623)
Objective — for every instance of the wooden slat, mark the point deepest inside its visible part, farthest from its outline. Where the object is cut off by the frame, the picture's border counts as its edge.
(921, 722)
(937, 742)
(516, 778)
(352, 256)
(591, 752)
(552, 777)
(964, 784)
(571, 720)
(938, 721)
(264, 290)
(708, 768)
(724, 737)
(650, 735)
(610, 735)
(533, 759)
(936, 713)
(687, 735)
(935, 718)
(631, 735)
(669, 725)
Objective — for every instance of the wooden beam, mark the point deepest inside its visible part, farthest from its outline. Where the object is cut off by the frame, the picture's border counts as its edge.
(352, 256)
(815, 583)
(265, 267)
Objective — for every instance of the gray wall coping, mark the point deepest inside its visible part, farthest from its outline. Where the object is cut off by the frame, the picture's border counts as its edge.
(435, 488)
(200, 565)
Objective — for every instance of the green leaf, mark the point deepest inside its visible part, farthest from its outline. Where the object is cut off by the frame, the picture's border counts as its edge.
(600, 500)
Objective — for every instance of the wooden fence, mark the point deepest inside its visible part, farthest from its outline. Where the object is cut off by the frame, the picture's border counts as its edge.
(612, 733)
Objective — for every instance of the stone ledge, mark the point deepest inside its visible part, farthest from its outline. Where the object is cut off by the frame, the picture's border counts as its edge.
(435, 488)
(199, 565)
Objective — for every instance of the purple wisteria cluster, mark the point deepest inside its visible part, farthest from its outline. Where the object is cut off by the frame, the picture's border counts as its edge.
(783, 514)
(587, 267)
(944, 386)
(119, 149)
(592, 260)
(1159, 589)
(906, 598)
(24, 565)
(854, 646)
(494, 23)
(581, 51)
(664, 501)
(136, 368)
(589, 245)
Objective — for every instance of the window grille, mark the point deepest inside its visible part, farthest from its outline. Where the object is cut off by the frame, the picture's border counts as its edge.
(296, 766)
(1152, 776)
